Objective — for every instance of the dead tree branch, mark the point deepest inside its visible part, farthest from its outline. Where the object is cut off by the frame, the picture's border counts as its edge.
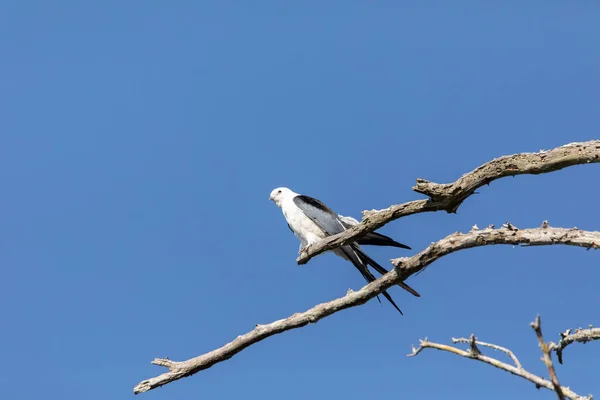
(544, 235)
(516, 369)
(472, 339)
(450, 196)
(580, 335)
(508, 234)
(547, 357)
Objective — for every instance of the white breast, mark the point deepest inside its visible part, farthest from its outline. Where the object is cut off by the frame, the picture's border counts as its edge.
(304, 228)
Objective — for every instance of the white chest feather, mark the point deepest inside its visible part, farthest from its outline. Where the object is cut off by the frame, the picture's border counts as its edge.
(303, 227)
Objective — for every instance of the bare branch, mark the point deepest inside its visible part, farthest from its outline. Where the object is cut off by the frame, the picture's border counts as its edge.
(404, 268)
(508, 234)
(515, 370)
(491, 346)
(537, 327)
(450, 196)
(580, 335)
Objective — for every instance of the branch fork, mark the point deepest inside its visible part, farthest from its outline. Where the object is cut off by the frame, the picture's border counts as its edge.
(442, 197)
(517, 369)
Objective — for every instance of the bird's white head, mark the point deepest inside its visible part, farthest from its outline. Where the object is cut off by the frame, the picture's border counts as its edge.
(279, 194)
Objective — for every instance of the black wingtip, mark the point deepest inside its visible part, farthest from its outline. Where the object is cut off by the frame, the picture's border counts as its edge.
(393, 243)
(376, 239)
(409, 289)
(399, 245)
(389, 298)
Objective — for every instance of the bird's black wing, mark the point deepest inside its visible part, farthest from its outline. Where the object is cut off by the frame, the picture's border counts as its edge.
(320, 214)
(376, 239)
(330, 223)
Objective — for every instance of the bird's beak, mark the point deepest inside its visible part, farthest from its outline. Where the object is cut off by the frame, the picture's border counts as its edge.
(271, 197)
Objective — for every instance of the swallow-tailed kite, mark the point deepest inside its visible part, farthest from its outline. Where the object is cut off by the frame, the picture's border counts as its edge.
(311, 220)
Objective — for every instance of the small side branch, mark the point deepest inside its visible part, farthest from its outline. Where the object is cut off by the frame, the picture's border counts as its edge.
(547, 358)
(516, 369)
(449, 197)
(580, 335)
(491, 346)
(509, 234)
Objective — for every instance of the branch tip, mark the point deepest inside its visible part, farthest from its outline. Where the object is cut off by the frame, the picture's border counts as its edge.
(547, 358)
(165, 362)
(517, 369)
(569, 336)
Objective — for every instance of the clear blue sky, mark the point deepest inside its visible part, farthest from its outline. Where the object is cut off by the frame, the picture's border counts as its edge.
(139, 142)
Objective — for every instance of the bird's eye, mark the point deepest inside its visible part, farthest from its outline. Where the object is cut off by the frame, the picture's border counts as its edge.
(279, 191)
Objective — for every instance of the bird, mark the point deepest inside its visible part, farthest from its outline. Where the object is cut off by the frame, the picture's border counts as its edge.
(311, 221)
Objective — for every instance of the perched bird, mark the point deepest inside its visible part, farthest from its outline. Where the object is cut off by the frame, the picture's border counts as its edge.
(311, 220)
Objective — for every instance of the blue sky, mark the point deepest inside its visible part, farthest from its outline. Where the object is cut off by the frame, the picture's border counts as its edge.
(139, 142)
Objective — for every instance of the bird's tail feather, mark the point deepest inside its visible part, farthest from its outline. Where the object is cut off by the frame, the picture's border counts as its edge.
(368, 260)
(354, 257)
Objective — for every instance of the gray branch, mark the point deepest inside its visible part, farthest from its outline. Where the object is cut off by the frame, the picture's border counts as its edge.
(544, 235)
(449, 197)
(516, 369)
(547, 357)
(508, 234)
(472, 339)
(446, 197)
(580, 335)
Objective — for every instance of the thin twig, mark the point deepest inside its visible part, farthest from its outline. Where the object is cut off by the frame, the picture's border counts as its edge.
(492, 346)
(547, 357)
(448, 197)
